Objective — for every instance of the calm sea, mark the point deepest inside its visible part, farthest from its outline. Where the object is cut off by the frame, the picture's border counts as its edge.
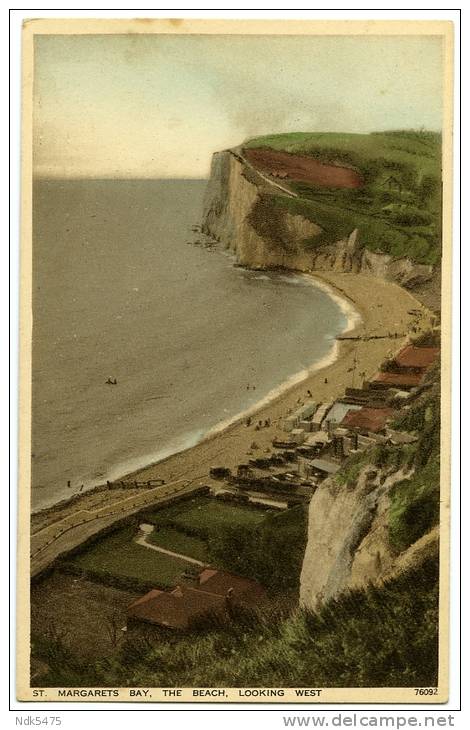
(119, 293)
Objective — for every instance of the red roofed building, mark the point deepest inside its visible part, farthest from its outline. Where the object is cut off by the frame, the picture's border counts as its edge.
(213, 594)
(367, 419)
(416, 357)
(401, 380)
(242, 590)
(176, 609)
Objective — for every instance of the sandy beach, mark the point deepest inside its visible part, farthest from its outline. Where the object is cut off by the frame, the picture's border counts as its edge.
(383, 308)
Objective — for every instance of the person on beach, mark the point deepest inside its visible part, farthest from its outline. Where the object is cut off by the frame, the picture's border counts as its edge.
(309, 394)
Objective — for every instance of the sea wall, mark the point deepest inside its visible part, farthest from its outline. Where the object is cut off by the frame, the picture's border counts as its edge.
(240, 211)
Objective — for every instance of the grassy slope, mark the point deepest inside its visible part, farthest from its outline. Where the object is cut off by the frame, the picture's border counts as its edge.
(401, 218)
(373, 638)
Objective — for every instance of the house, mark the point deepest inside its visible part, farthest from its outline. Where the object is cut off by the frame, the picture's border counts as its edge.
(339, 410)
(416, 358)
(400, 380)
(301, 414)
(367, 419)
(212, 594)
(176, 609)
(320, 415)
(243, 591)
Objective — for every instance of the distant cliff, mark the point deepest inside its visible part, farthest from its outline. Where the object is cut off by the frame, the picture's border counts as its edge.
(269, 220)
(240, 212)
(274, 209)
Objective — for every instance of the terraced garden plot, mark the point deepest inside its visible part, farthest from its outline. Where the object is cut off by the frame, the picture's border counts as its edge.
(119, 555)
(178, 542)
(204, 515)
(182, 527)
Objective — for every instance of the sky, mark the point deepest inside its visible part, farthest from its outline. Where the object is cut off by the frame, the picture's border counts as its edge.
(160, 105)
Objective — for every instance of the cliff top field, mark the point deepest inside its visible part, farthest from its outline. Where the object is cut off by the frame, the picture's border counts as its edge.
(385, 184)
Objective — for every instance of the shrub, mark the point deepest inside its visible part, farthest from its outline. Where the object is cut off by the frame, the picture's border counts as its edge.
(414, 506)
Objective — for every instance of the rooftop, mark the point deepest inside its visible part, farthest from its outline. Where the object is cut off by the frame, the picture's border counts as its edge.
(368, 419)
(176, 609)
(180, 607)
(401, 437)
(323, 465)
(318, 437)
(416, 357)
(339, 410)
(398, 380)
(243, 590)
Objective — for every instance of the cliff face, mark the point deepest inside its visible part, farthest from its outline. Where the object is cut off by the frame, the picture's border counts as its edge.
(348, 542)
(347, 256)
(348, 545)
(240, 211)
(235, 195)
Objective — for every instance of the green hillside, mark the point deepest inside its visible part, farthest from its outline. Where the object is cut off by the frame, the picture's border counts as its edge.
(398, 208)
(377, 637)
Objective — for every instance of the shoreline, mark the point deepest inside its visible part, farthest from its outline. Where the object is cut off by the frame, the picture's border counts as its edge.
(353, 321)
(383, 306)
(185, 442)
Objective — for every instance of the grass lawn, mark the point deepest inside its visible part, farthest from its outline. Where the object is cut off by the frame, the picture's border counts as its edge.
(118, 555)
(179, 542)
(204, 515)
(182, 527)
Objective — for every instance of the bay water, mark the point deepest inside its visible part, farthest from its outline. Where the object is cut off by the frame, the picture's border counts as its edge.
(191, 339)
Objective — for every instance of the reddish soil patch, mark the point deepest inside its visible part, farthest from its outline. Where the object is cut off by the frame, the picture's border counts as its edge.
(284, 166)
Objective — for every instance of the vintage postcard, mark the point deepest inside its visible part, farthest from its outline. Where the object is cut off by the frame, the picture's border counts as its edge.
(235, 361)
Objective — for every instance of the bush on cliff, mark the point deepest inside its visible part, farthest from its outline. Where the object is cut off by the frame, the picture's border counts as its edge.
(414, 506)
(414, 502)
